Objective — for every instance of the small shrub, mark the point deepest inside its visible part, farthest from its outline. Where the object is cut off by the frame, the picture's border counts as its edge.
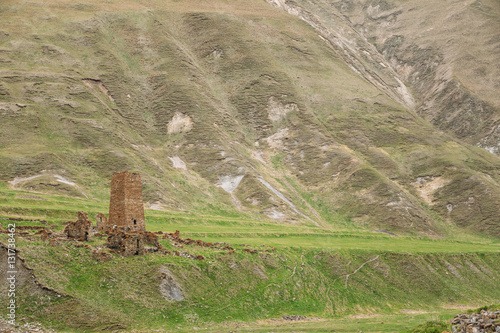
(430, 327)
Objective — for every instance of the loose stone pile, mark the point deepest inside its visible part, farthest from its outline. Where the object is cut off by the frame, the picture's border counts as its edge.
(483, 322)
(294, 318)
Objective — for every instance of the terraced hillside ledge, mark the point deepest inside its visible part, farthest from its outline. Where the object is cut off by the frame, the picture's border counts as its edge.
(250, 283)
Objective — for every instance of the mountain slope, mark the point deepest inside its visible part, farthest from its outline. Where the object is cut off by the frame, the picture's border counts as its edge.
(229, 108)
(445, 54)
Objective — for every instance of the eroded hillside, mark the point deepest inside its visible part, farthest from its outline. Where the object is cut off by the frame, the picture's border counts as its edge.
(444, 54)
(243, 109)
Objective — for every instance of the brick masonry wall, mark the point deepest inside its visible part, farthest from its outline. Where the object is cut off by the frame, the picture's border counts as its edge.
(126, 208)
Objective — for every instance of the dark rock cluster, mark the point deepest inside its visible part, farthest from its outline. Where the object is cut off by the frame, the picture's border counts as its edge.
(178, 241)
(294, 318)
(483, 322)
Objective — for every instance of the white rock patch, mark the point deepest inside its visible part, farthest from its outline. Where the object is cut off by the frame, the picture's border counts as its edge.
(178, 163)
(274, 141)
(180, 123)
(169, 288)
(63, 180)
(259, 155)
(230, 183)
(427, 186)
(275, 214)
(18, 180)
(277, 111)
(58, 178)
(282, 197)
(155, 206)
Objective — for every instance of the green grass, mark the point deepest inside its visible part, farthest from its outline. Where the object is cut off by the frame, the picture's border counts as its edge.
(351, 155)
(430, 327)
(367, 242)
(491, 307)
(313, 271)
(244, 287)
(156, 60)
(237, 229)
(368, 323)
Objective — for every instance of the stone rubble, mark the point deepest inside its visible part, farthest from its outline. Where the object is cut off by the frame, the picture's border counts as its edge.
(101, 222)
(129, 243)
(178, 241)
(294, 318)
(80, 229)
(483, 322)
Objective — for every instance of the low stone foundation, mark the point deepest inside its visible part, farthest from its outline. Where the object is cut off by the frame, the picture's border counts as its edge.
(81, 229)
(129, 243)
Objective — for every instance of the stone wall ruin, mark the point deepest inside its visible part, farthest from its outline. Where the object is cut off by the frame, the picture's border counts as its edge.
(80, 229)
(101, 221)
(127, 243)
(131, 243)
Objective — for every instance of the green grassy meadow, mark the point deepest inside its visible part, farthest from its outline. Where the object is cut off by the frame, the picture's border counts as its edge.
(342, 279)
(239, 228)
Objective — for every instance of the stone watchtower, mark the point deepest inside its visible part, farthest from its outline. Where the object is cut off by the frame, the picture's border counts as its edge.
(125, 207)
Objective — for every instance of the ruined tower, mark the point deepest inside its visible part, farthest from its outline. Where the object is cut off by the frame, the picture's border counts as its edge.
(125, 207)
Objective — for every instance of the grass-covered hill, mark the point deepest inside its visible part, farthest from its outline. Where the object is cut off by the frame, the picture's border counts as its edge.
(441, 58)
(342, 280)
(333, 145)
(228, 108)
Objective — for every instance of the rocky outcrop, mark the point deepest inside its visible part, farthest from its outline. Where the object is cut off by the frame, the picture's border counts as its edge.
(170, 289)
(26, 280)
